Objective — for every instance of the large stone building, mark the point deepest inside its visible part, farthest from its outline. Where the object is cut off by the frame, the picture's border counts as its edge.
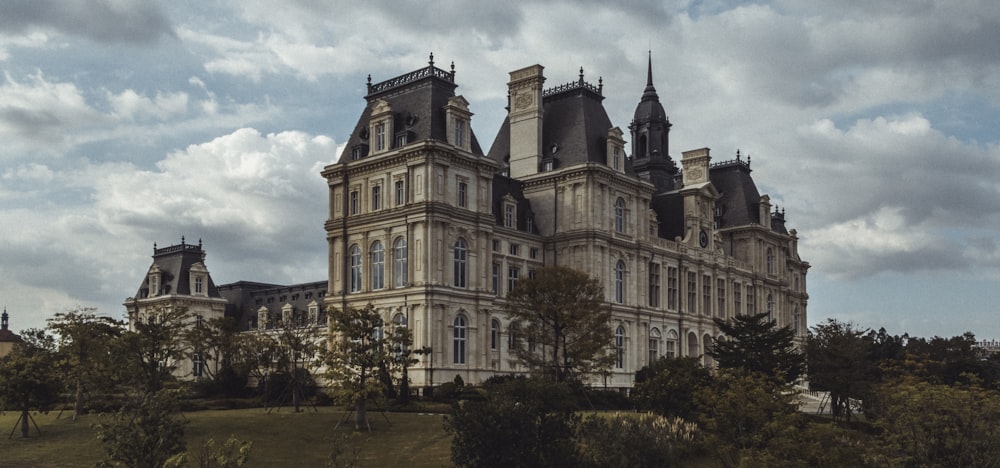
(433, 231)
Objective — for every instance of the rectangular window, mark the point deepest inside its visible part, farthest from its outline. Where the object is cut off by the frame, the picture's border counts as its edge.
(533, 253)
(496, 245)
(377, 197)
(515, 249)
(706, 289)
(512, 274)
(197, 365)
(379, 137)
(400, 193)
(355, 202)
(671, 288)
(751, 305)
(671, 347)
(463, 194)
(654, 285)
(737, 299)
(721, 298)
(496, 278)
(531, 274)
(400, 140)
(355, 153)
(508, 216)
(692, 293)
(654, 350)
(459, 132)
(618, 158)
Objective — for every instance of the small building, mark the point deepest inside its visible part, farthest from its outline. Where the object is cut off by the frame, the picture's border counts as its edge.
(8, 339)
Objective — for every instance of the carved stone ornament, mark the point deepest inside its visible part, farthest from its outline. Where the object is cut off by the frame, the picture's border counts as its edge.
(695, 173)
(523, 100)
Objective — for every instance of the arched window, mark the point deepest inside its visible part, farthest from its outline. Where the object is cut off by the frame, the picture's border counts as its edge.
(355, 253)
(620, 347)
(494, 334)
(642, 147)
(693, 345)
(458, 342)
(619, 215)
(399, 263)
(460, 263)
(654, 345)
(378, 265)
(620, 282)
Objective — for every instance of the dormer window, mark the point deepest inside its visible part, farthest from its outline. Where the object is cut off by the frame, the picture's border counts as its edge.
(154, 284)
(199, 284)
(381, 126)
(509, 215)
(617, 159)
(459, 132)
(458, 117)
(379, 137)
(616, 150)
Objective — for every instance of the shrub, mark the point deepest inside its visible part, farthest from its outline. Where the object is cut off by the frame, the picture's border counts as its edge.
(628, 440)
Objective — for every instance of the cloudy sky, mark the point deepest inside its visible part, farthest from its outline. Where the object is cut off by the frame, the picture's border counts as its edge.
(874, 124)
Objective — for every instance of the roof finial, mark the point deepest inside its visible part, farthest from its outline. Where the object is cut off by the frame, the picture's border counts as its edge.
(369, 82)
(431, 61)
(199, 242)
(737, 154)
(581, 75)
(182, 240)
(649, 70)
(3, 319)
(453, 69)
(600, 85)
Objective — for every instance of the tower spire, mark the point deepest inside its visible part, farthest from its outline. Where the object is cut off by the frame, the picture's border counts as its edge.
(650, 91)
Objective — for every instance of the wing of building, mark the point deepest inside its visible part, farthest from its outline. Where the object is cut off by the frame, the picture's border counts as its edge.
(433, 231)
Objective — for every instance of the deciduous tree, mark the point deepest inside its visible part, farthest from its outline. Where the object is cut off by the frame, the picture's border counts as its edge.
(840, 361)
(564, 324)
(668, 385)
(85, 352)
(28, 376)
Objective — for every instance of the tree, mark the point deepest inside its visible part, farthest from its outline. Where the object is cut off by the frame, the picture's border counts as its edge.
(756, 344)
(926, 424)
(359, 352)
(84, 340)
(839, 357)
(144, 433)
(521, 422)
(564, 324)
(668, 385)
(216, 341)
(150, 349)
(28, 378)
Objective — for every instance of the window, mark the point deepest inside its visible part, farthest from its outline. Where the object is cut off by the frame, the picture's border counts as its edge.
(496, 245)
(459, 132)
(692, 292)
(547, 165)
(770, 307)
(400, 140)
(671, 288)
(617, 161)
(654, 284)
(494, 334)
(378, 265)
(355, 202)
(620, 347)
(529, 223)
(400, 189)
(197, 365)
(770, 261)
(355, 254)
(460, 263)
(399, 267)
(399, 326)
(515, 249)
(721, 297)
(463, 194)
(512, 335)
(458, 343)
(620, 282)
(619, 215)
(533, 253)
(532, 274)
(377, 197)
(706, 290)
(512, 273)
(670, 350)
(496, 278)
(198, 284)
(508, 216)
(751, 304)
(737, 299)
(380, 136)
(355, 153)
(654, 345)
(796, 321)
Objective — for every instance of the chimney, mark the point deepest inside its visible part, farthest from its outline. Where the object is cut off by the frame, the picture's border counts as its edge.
(525, 88)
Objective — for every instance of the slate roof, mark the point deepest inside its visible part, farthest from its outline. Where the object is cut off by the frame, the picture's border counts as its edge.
(411, 96)
(174, 263)
(740, 200)
(502, 186)
(574, 123)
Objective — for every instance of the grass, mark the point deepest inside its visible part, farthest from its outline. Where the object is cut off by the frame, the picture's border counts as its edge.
(282, 438)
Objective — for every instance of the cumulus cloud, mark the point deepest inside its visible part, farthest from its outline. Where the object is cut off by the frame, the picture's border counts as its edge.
(109, 21)
(44, 113)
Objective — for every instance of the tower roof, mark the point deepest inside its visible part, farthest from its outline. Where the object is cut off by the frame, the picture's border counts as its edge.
(174, 264)
(7, 336)
(649, 108)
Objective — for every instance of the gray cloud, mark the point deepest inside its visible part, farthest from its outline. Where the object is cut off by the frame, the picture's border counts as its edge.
(126, 21)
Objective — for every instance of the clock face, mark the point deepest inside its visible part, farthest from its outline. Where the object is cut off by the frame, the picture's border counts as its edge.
(703, 239)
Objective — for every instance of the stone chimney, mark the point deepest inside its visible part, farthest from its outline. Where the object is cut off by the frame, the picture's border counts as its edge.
(525, 88)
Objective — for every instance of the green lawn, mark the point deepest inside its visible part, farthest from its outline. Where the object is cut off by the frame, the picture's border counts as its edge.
(281, 438)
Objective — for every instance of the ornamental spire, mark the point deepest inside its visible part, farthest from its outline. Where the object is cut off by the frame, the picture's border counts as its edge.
(650, 91)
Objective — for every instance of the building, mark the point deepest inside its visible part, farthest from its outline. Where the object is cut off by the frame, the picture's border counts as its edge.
(433, 231)
(8, 339)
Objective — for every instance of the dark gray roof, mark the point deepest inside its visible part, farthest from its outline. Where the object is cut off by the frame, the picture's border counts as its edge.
(417, 100)
(503, 186)
(573, 121)
(740, 200)
(246, 297)
(174, 263)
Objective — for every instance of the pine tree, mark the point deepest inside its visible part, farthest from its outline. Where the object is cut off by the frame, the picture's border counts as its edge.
(756, 343)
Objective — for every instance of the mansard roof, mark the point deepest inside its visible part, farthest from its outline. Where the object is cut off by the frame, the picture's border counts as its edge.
(740, 201)
(504, 186)
(174, 264)
(575, 126)
(417, 100)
